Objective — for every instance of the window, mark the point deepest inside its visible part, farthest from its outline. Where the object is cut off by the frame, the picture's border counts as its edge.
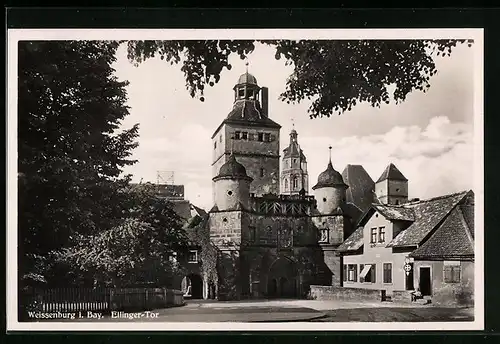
(295, 182)
(262, 172)
(250, 94)
(452, 273)
(253, 234)
(267, 137)
(387, 272)
(241, 92)
(323, 235)
(260, 137)
(381, 234)
(367, 273)
(373, 238)
(237, 135)
(193, 256)
(229, 192)
(215, 145)
(244, 135)
(352, 272)
(286, 184)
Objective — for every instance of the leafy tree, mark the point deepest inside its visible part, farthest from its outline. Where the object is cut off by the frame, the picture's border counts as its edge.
(335, 75)
(71, 154)
(137, 251)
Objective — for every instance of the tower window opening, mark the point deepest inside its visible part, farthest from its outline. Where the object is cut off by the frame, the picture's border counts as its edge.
(260, 137)
(250, 94)
(229, 192)
(295, 182)
(324, 199)
(262, 172)
(224, 219)
(215, 145)
(286, 184)
(241, 92)
(244, 135)
(397, 190)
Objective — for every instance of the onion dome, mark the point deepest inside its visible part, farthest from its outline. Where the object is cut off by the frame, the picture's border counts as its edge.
(330, 178)
(233, 170)
(247, 78)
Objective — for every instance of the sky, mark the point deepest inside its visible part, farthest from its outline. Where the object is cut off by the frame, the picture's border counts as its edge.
(429, 136)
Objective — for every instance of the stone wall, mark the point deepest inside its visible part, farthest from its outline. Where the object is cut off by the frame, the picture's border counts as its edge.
(344, 294)
(402, 296)
(141, 299)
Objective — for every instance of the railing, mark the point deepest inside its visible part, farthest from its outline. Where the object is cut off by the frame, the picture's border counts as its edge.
(103, 300)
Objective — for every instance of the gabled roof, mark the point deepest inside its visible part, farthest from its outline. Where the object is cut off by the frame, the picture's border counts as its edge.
(390, 212)
(428, 215)
(452, 239)
(361, 191)
(353, 242)
(391, 172)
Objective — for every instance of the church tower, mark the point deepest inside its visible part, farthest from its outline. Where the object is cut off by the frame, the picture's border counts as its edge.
(294, 177)
(251, 136)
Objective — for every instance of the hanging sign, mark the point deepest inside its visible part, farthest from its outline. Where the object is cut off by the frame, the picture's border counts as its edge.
(407, 268)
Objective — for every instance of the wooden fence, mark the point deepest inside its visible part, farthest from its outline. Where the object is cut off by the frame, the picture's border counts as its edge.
(103, 300)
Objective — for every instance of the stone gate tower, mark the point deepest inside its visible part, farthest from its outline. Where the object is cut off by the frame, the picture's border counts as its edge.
(251, 136)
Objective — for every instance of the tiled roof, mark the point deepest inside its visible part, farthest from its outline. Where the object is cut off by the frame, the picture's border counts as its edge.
(442, 212)
(330, 177)
(194, 234)
(428, 214)
(353, 242)
(294, 151)
(451, 239)
(361, 186)
(233, 169)
(249, 112)
(395, 212)
(182, 208)
(391, 172)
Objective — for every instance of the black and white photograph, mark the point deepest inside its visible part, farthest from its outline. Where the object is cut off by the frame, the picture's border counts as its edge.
(245, 180)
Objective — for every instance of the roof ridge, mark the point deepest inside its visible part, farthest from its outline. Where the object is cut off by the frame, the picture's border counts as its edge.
(435, 198)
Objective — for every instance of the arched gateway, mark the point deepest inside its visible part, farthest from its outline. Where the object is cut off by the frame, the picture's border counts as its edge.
(282, 280)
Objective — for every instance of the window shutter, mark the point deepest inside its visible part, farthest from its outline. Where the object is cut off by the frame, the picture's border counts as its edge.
(456, 274)
(356, 272)
(345, 273)
(373, 271)
(447, 274)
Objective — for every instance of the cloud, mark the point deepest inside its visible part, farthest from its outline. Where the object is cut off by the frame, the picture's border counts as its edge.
(437, 159)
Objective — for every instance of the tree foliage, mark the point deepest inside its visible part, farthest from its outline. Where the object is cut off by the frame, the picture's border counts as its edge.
(334, 75)
(136, 251)
(71, 154)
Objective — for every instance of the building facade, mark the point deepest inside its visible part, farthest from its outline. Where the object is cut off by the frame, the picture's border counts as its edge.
(266, 236)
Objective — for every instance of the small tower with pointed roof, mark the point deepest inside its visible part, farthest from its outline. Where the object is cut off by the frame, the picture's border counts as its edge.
(330, 190)
(392, 186)
(294, 176)
(232, 186)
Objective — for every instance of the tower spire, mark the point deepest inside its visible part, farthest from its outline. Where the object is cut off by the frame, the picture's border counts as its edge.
(246, 64)
(330, 154)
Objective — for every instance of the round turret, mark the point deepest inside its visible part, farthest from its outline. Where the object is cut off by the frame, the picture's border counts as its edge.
(330, 190)
(232, 186)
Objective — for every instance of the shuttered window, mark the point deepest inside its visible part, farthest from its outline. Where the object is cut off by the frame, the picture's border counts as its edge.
(452, 273)
(387, 272)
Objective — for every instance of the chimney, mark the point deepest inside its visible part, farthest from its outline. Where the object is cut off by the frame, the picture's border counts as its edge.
(264, 101)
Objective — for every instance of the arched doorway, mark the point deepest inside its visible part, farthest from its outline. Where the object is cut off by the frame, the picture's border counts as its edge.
(282, 278)
(192, 286)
